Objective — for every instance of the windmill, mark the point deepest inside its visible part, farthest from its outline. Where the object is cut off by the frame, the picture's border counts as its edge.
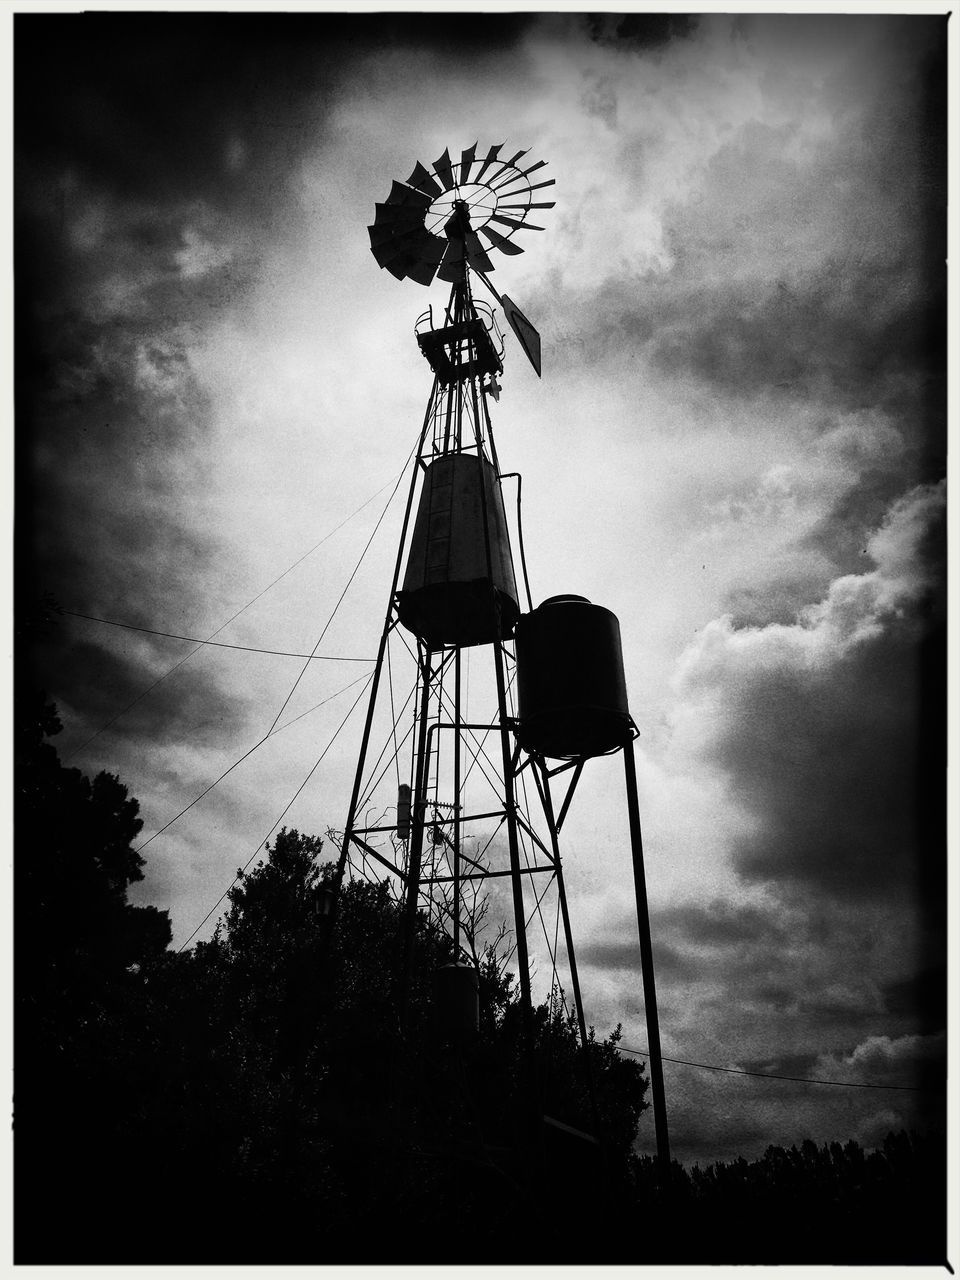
(468, 764)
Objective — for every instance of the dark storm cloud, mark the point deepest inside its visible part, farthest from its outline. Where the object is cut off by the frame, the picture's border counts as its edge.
(118, 259)
(618, 955)
(827, 763)
(760, 604)
(843, 533)
(920, 999)
(149, 103)
(746, 965)
(798, 267)
(793, 971)
(787, 1064)
(823, 729)
(872, 308)
(642, 31)
(827, 335)
(107, 423)
(99, 682)
(721, 924)
(916, 1061)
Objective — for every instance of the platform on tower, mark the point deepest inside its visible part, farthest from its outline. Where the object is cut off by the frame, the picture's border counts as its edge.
(464, 349)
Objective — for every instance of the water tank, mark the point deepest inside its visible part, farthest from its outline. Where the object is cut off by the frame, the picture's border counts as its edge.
(571, 690)
(446, 598)
(458, 1001)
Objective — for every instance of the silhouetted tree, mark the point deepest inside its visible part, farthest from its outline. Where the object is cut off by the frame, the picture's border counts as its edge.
(81, 958)
(832, 1204)
(264, 1074)
(311, 1107)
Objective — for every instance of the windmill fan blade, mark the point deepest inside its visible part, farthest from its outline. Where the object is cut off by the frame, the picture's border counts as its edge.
(398, 215)
(402, 267)
(501, 242)
(548, 204)
(423, 180)
(527, 186)
(453, 273)
(491, 159)
(380, 235)
(527, 335)
(444, 170)
(516, 177)
(432, 248)
(513, 159)
(476, 254)
(423, 272)
(401, 194)
(389, 255)
(417, 244)
(467, 160)
(511, 222)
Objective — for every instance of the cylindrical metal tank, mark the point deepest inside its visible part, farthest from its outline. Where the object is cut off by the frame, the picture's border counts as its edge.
(446, 597)
(458, 1001)
(571, 689)
(403, 811)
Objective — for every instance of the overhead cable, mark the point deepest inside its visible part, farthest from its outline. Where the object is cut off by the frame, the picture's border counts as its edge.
(346, 588)
(273, 727)
(246, 755)
(199, 644)
(286, 810)
(768, 1075)
(216, 644)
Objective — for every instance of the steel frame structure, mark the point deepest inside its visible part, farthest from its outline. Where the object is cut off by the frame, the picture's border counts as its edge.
(457, 419)
(445, 744)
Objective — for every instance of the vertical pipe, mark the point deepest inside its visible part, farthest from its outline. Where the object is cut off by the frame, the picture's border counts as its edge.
(523, 962)
(646, 963)
(533, 1108)
(458, 319)
(456, 805)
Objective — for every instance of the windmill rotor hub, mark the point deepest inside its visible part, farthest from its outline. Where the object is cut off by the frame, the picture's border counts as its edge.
(479, 202)
(458, 225)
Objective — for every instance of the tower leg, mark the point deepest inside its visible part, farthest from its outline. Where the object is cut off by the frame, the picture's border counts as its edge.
(409, 918)
(646, 963)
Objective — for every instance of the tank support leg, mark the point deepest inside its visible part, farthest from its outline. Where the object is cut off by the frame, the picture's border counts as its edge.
(542, 779)
(646, 964)
(456, 808)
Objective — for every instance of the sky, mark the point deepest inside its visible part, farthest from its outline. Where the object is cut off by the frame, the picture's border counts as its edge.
(738, 445)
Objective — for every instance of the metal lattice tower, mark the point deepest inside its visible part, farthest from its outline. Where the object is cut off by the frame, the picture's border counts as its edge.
(457, 794)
